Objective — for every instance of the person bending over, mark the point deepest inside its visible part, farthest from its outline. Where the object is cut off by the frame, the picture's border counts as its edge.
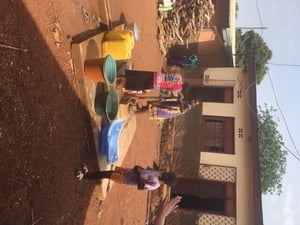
(144, 179)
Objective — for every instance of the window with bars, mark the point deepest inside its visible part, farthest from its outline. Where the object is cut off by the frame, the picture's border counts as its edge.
(219, 134)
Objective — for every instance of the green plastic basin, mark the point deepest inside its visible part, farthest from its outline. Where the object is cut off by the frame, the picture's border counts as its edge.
(107, 105)
(109, 70)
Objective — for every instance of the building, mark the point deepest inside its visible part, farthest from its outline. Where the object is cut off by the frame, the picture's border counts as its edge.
(218, 172)
(216, 154)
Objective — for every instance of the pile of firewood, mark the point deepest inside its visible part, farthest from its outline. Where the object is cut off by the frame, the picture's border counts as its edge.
(183, 22)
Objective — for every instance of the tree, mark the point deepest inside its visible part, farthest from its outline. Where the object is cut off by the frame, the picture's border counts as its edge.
(272, 156)
(252, 42)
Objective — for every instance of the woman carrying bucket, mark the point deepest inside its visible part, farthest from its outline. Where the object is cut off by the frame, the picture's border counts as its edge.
(170, 109)
(165, 108)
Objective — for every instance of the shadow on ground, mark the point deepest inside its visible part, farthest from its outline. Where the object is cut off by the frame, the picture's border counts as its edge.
(43, 129)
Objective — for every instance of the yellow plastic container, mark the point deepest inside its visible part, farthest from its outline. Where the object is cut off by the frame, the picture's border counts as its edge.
(118, 43)
(118, 49)
(115, 35)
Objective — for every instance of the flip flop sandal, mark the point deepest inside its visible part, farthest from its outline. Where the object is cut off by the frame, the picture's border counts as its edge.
(85, 15)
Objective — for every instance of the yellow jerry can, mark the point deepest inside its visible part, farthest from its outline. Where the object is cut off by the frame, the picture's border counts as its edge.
(118, 43)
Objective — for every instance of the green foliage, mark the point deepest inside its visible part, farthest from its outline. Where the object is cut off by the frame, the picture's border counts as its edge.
(236, 10)
(252, 42)
(272, 156)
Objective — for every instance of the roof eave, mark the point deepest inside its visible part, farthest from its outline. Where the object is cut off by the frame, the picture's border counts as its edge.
(258, 215)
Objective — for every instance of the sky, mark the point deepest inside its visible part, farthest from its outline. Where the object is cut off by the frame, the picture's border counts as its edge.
(282, 35)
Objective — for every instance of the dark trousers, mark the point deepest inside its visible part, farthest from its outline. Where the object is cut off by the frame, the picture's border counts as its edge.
(99, 175)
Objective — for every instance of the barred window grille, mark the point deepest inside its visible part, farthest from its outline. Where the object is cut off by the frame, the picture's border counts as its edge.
(219, 134)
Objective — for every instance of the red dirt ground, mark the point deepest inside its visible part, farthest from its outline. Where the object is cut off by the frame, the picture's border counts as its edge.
(44, 131)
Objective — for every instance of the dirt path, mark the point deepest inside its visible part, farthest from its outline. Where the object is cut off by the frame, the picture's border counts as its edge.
(146, 53)
(127, 205)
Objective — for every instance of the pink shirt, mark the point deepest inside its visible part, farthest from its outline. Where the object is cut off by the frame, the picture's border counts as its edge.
(168, 80)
